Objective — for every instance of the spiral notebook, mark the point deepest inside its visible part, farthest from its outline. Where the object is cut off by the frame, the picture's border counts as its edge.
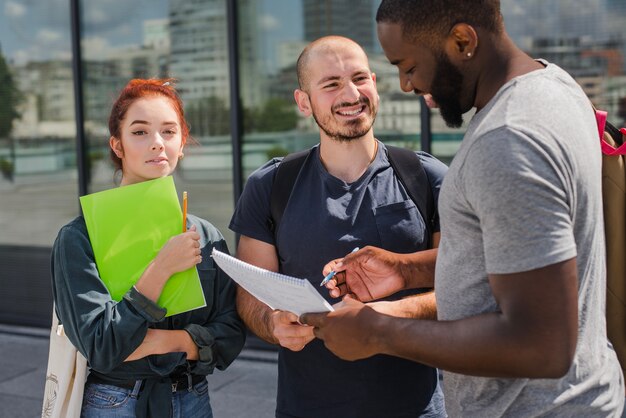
(276, 290)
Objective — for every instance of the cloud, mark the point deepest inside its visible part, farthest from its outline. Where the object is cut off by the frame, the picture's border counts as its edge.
(108, 15)
(95, 47)
(125, 29)
(21, 57)
(12, 9)
(40, 52)
(268, 22)
(48, 36)
(514, 9)
(95, 16)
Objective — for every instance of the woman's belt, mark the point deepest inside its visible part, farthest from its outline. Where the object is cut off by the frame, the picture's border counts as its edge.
(178, 382)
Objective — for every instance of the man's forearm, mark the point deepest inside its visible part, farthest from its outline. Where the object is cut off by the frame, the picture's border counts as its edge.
(422, 306)
(418, 269)
(483, 345)
(256, 315)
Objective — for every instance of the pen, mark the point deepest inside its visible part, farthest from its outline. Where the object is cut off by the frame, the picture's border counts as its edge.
(333, 272)
(184, 211)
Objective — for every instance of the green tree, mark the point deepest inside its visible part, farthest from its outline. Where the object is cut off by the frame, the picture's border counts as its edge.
(208, 116)
(10, 99)
(275, 115)
(276, 151)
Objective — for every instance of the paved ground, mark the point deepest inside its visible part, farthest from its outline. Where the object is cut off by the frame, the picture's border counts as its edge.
(246, 389)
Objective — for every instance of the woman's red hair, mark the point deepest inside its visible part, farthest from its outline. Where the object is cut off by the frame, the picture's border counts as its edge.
(137, 89)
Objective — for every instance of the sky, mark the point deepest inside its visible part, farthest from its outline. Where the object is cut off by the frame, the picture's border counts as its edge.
(279, 21)
(33, 30)
(40, 29)
(566, 18)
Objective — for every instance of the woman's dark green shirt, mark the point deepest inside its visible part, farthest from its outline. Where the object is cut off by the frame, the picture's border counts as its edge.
(106, 332)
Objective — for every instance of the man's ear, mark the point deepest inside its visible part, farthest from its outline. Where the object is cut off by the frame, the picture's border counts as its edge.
(303, 102)
(116, 146)
(374, 78)
(462, 43)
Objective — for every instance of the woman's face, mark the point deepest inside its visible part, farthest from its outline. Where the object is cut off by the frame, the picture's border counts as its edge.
(151, 140)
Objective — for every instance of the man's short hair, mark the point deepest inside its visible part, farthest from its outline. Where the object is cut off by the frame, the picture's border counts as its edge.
(323, 44)
(431, 20)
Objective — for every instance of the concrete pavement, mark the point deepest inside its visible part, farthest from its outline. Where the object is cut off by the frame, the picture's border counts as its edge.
(246, 389)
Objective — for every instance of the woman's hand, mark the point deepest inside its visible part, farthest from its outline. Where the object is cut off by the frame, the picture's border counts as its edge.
(178, 254)
(181, 252)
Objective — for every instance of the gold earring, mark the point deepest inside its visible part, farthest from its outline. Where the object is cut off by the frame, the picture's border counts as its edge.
(469, 54)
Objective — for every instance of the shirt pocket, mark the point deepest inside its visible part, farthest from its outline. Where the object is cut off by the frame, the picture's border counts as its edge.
(400, 227)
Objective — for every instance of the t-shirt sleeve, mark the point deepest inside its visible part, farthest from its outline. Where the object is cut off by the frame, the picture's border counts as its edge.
(435, 171)
(252, 214)
(522, 200)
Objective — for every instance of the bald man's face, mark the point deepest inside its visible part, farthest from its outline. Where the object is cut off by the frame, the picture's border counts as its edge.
(342, 91)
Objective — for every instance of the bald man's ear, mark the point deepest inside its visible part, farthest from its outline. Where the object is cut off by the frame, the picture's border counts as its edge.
(303, 102)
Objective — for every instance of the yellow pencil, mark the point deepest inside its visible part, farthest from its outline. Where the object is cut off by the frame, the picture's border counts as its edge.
(184, 211)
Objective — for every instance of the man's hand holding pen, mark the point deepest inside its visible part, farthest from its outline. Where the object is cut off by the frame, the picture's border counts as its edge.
(332, 272)
(369, 274)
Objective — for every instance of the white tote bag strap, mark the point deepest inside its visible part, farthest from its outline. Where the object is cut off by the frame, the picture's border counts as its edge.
(65, 376)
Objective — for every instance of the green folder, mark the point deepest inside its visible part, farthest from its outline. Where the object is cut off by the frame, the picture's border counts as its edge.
(127, 227)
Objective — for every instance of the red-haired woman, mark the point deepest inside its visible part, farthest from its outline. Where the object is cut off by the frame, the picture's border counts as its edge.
(142, 365)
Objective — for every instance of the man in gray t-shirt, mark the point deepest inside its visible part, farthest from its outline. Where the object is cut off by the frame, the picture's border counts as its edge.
(520, 275)
(519, 198)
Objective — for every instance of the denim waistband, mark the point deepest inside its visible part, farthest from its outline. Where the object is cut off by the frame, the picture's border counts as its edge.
(177, 382)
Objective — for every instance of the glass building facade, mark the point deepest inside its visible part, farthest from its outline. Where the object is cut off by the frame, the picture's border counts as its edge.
(62, 63)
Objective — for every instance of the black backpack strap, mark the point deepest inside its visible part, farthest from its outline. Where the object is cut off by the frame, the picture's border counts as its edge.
(410, 171)
(284, 180)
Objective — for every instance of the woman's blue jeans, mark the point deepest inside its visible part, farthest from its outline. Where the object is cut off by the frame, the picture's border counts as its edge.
(106, 401)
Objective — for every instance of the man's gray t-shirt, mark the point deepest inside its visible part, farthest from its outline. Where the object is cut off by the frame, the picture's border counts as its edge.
(524, 192)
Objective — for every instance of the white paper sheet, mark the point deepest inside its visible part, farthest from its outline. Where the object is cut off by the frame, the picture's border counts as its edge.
(276, 290)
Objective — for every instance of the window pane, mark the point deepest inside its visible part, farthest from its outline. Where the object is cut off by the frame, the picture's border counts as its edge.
(38, 185)
(272, 124)
(585, 38)
(186, 40)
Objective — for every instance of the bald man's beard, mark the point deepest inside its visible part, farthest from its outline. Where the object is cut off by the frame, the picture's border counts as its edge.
(345, 131)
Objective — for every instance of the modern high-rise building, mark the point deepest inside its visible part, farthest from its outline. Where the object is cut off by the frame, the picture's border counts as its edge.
(199, 54)
(199, 50)
(563, 19)
(353, 19)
